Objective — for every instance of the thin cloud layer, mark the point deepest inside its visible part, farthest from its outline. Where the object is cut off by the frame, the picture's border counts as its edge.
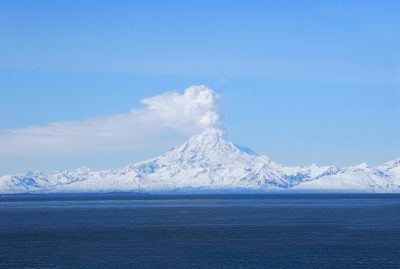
(167, 114)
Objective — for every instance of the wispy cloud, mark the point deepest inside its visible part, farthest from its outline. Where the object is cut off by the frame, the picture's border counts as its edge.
(165, 114)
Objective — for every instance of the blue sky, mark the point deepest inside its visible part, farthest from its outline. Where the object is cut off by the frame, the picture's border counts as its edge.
(300, 81)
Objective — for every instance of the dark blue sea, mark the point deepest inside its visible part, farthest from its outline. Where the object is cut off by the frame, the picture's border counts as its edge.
(200, 231)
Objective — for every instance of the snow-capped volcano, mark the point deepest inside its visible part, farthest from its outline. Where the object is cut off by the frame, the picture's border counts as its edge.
(207, 162)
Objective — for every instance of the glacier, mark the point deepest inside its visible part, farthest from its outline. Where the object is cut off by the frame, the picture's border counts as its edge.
(209, 163)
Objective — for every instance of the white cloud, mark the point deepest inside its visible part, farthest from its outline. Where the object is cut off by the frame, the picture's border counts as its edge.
(170, 113)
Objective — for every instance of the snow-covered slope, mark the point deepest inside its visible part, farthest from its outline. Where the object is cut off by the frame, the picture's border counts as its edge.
(362, 178)
(207, 162)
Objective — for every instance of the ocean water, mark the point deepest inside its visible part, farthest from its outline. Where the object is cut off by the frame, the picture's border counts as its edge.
(200, 231)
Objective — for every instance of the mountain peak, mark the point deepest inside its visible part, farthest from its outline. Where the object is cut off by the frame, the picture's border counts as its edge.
(393, 163)
(211, 132)
(396, 161)
(361, 166)
(210, 141)
(211, 137)
(208, 148)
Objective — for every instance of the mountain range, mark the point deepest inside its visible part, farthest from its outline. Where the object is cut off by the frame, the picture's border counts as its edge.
(209, 163)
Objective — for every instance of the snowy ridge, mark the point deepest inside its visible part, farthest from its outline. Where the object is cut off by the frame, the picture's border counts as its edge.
(207, 162)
